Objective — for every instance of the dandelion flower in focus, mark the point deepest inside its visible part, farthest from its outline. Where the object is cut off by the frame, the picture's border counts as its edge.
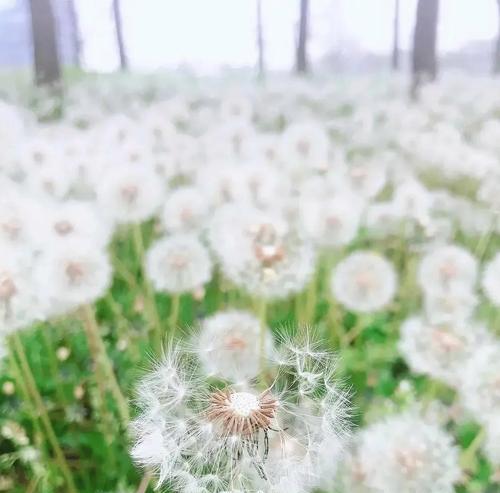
(193, 434)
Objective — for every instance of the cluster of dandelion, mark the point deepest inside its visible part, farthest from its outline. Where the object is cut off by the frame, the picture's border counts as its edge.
(210, 219)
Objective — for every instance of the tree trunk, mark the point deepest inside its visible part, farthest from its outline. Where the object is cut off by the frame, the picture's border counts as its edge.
(302, 62)
(395, 46)
(75, 33)
(424, 44)
(496, 55)
(117, 14)
(45, 50)
(260, 41)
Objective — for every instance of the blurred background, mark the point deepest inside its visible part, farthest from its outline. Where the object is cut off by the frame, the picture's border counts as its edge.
(207, 37)
(121, 133)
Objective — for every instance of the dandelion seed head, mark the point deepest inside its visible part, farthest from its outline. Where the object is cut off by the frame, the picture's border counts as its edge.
(364, 281)
(129, 193)
(79, 271)
(178, 264)
(404, 453)
(441, 351)
(228, 345)
(480, 383)
(184, 210)
(249, 438)
(264, 255)
(446, 268)
(455, 306)
(332, 221)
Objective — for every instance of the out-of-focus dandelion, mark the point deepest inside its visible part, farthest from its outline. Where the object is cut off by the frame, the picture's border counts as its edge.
(403, 453)
(79, 273)
(364, 282)
(228, 346)
(480, 387)
(264, 255)
(129, 193)
(441, 351)
(332, 222)
(178, 264)
(490, 280)
(446, 268)
(184, 211)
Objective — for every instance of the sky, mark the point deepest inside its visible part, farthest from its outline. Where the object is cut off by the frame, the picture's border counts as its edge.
(208, 34)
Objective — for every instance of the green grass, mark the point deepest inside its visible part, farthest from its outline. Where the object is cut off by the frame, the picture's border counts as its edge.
(89, 431)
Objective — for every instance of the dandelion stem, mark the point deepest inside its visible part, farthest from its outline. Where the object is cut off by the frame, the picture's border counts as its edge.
(150, 303)
(53, 366)
(100, 377)
(311, 300)
(123, 272)
(334, 323)
(173, 318)
(122, 324)
(32, 486)
(431, 394)
(297, 307)
(484, 241)
(42, 412)
(262, 315)
(495, 324)
(103, 363)
(25, 394)
(354, 332)
(469, 453)
(117, 310)
(143, 485)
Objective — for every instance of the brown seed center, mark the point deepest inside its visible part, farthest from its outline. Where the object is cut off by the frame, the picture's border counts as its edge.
(241, 413)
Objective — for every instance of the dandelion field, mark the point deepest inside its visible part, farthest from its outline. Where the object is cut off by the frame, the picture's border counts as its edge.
(225, 288)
